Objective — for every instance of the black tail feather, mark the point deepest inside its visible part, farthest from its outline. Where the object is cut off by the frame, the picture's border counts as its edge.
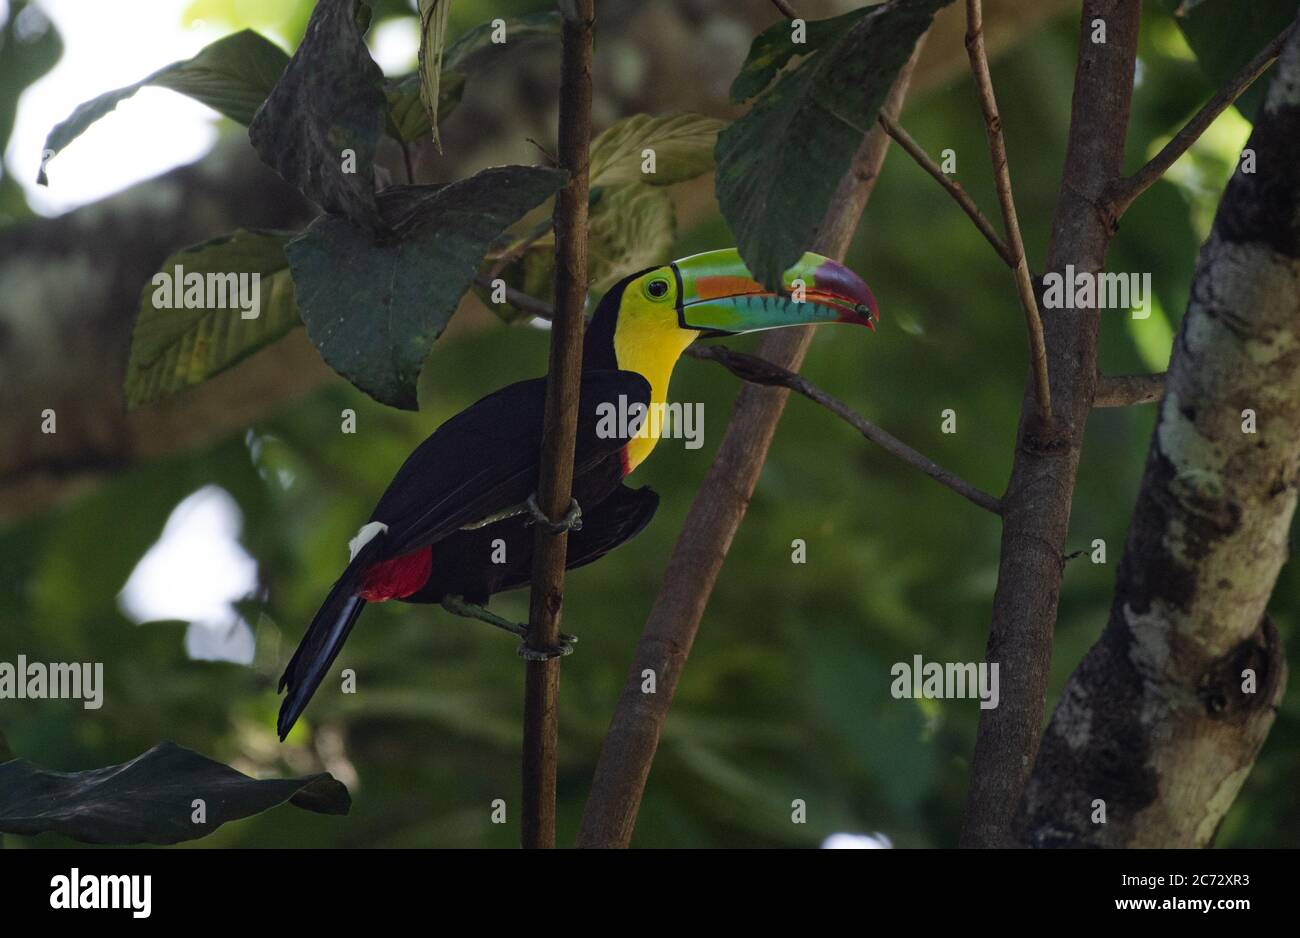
(317, 651)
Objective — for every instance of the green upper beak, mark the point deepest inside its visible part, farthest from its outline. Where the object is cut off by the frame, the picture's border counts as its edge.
(717, 293)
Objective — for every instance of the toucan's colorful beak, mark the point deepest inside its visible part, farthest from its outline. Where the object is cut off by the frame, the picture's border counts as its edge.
(718, 294)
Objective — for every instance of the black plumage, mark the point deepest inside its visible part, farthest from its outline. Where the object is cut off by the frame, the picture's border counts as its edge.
(482, 461)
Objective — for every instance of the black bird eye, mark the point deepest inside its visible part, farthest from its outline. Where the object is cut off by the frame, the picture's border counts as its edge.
(657, 289)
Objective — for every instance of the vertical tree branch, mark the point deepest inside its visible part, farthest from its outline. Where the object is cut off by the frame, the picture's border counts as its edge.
(555, 479)
(979, 64)
(1163, 719)
(1036, 506)
(715, 514)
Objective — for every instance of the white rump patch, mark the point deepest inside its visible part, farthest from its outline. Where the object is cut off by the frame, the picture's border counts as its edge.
(369, 531)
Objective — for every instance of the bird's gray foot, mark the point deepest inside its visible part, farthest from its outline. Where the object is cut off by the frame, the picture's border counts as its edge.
(572, 520)
(565, 647)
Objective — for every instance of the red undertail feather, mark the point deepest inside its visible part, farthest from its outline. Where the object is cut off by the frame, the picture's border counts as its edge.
(396, 578)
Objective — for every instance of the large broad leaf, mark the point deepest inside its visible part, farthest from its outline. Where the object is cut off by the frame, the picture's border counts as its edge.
(631, 223)
(774, 47)
(151, 799)
(177, 345)
(1226, 34)
(475, 44)
(682, 143)
(778, 165)
(319, 127)
(232, 76)
(375, 306)
(630, 228)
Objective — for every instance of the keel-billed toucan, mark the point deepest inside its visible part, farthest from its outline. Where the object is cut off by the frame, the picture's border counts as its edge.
(454, 525)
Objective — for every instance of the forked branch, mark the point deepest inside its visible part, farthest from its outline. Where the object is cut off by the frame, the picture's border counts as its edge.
(953, 188)
(1122, 193)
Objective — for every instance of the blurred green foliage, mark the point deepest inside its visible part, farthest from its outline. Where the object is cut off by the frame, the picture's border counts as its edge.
(786, 692)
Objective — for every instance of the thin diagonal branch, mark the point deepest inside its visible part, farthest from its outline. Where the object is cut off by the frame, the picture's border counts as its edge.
(954, 188)
(560, 429)
(517, 250)
(757, 370)
(979, 63)
(786, 10)
(715, 515)
(1124, 191)
(1127, 390)
(519, 300)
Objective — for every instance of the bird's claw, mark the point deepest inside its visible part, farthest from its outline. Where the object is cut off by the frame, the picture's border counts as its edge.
(565, 647)
(572, 520)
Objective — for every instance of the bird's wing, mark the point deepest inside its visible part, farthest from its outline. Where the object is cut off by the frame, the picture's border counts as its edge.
(616, 520)
(485, 459)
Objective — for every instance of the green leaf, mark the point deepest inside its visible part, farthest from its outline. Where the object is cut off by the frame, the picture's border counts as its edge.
(174, 348)
(233, 76)
(150, 800)
(683, 145)
(434, 16)
(466, 52)
(779, 165)
(374, 307)
(632, 221)
(321, 123)
(774, 47)
(631, 228)
(1226, 34)
(408, 119)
